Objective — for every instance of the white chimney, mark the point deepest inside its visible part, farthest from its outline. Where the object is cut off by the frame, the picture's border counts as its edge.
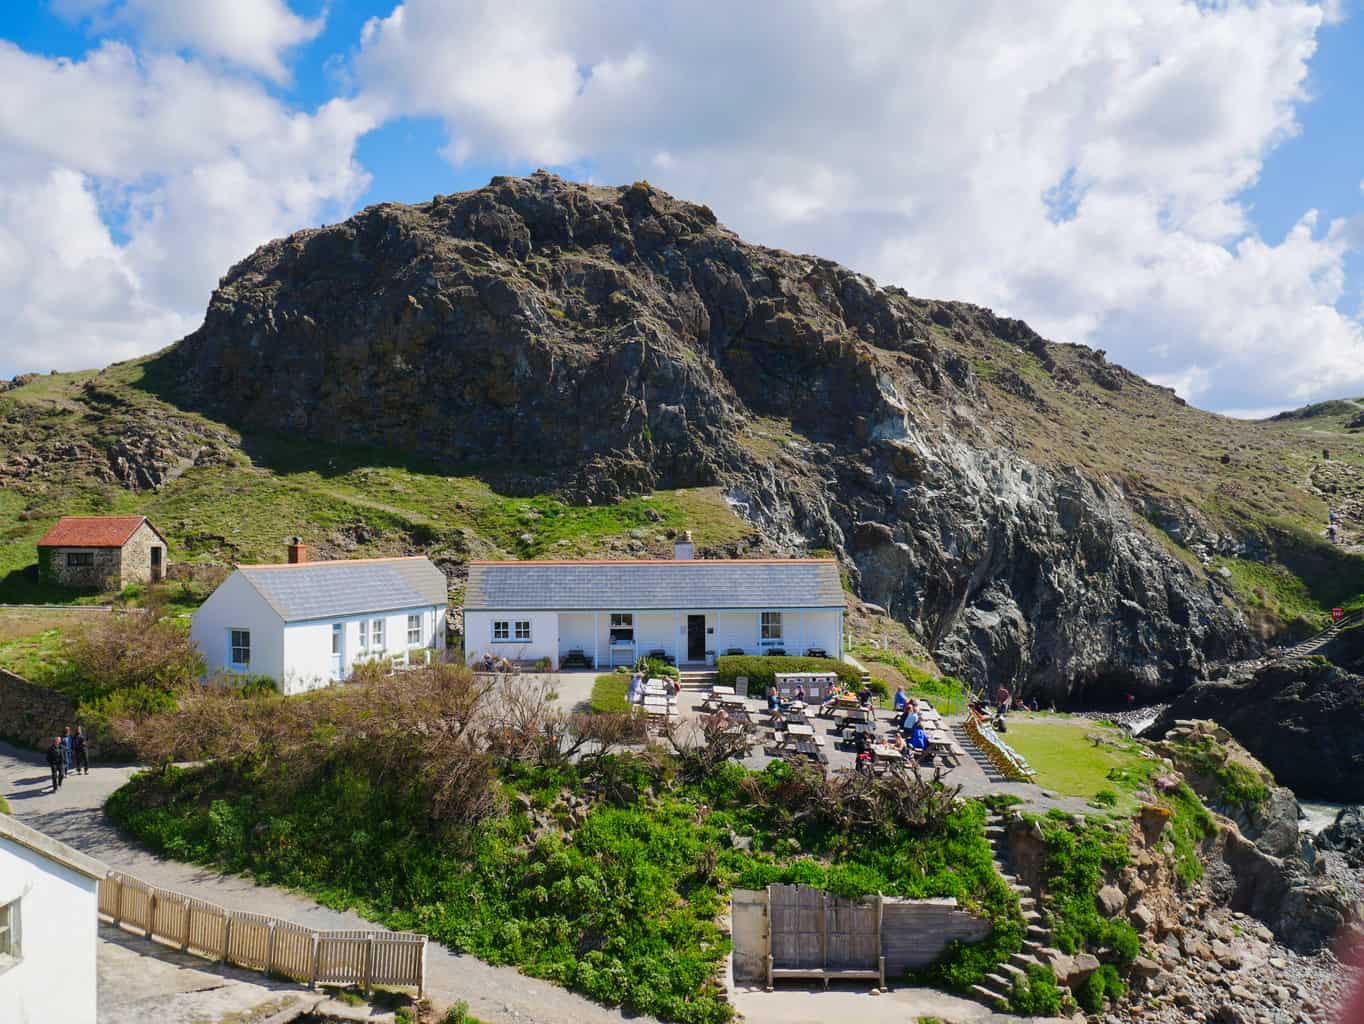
(684, 550)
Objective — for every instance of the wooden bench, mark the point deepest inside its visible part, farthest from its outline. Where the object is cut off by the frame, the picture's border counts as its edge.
(828, 974)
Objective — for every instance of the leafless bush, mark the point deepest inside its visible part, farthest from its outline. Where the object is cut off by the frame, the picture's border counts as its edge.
(702, 745)
(524, 725)
(137, 648)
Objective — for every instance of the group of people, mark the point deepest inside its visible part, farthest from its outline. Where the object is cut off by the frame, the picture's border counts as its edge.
(69, 754)
(774, 701)
(635, 692)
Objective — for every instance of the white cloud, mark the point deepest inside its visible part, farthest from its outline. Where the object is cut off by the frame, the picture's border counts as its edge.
(254, 34)
(1076, 164)
(193, 168)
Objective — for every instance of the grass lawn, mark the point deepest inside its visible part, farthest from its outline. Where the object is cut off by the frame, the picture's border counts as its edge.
(40, 658)
(1070, 763)
(608, 693)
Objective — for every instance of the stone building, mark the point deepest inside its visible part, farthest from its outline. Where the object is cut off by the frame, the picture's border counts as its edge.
(102, 552)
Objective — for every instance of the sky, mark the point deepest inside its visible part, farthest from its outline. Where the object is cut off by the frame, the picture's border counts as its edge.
(1180, 184)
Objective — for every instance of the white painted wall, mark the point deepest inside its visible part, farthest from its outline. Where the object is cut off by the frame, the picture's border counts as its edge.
(543, 643)
(308, 661)
(237, 605)
(55, 978)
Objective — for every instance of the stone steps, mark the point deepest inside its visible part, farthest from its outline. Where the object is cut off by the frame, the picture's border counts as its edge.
(997, 986)
(701, 680)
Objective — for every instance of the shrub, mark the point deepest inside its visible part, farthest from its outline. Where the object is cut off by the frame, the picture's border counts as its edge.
(657, 668)
(1101, 986)
(1036, 994)
(1077, 860)
(1105, 798)
(762, 670)
(879, 687)
(127, 649)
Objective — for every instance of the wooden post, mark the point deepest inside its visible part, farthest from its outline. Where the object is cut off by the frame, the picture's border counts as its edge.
(151, 911)
(368, 973)
(421, 978)
(188, 930)
(227, 933)
(270, 948)
(317, 960)
(118, 900)
(767, 911)
(824, 928)
(880, 940)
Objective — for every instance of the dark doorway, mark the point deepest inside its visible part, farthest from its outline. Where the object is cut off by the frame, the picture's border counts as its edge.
(696, 638)
(156, 564)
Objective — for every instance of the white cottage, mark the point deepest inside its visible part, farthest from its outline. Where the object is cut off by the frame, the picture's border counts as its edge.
(49, 902)
(613, 612)
(306, 624)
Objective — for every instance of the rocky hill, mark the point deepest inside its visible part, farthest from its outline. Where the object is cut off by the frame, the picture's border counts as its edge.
(504, 369)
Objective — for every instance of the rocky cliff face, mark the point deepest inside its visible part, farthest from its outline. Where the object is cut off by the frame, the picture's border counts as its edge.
(599, 342)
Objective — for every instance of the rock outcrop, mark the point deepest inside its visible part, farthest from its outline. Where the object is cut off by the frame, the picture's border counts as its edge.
(1303, 718)
(597, 342)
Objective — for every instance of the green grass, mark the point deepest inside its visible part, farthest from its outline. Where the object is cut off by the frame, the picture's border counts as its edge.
(4, 806)
(1067, 762)
(623, 907)
(609, 693)
(41, 659)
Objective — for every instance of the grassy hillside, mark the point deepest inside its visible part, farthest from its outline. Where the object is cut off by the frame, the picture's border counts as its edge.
(242, 500)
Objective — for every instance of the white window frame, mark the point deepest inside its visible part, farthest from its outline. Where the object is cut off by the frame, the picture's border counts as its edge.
(414, 629)
(502, 626)
(364, 636)
(233, 646)
(338, 637)
(770, 627)
(11, 944)
(619, 623)
(521, 631)
(377, 637)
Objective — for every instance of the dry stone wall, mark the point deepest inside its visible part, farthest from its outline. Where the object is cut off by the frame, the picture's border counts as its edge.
(30, 714)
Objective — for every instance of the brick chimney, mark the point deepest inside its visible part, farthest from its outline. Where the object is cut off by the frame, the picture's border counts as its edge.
(684, 550)
(298, 551)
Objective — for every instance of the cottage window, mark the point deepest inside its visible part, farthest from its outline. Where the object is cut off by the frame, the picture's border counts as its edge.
(414, 630)
(336, 637)
(622, 628)
(501, 631)
(241, 647)
(376, 633)
(771, 623)
(364, 635)
(80, 559)
(9, 934)
(522, 629)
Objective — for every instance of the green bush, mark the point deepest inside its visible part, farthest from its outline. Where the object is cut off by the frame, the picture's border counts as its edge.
(762, 670)
(4, 806)
(1077, 860)
(1101, 986)
(1036, 994)
(1105, 798)
(656, 668)
(879, 687)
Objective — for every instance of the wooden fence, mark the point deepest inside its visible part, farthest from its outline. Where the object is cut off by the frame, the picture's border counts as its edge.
(260, 943)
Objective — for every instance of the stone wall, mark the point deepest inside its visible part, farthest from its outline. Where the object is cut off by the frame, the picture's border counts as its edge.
(137, 556)
(30, 714)
(914, 933)
(102, 574)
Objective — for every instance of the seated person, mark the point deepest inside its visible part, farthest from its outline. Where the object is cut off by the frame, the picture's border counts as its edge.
(897, 740)
(901, 698)
(773, 701)
(862, 742)
(488, 662)
(918, 739)
(634, 693)
(799, 695)
(864, 696)
(910, 718)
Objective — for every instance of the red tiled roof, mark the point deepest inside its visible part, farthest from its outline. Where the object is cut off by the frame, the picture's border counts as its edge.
(91, 532)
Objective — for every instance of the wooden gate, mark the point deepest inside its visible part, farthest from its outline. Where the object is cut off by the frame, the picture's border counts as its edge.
(814, 935)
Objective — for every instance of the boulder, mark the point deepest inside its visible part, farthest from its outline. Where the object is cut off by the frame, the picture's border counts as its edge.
(1111, 901)
(1345, 835)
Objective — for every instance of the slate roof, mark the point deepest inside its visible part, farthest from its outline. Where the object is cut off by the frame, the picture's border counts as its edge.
(656, 585)
(93, 532)
(323, 590)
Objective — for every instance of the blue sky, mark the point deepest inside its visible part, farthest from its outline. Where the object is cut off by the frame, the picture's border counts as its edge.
(1137, 178)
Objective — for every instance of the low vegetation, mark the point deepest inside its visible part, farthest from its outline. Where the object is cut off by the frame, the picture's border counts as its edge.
(1078, 857)
(601, 868)
(761, 670)
(609, 693)
(1078, 757)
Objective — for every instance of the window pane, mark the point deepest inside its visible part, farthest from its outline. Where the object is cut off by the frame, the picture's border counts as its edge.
(364, 635)
(241, 646)
(523, 630)
(501, 631)
(414, 630)
(336, 638)
(378, 633)
(771, 625)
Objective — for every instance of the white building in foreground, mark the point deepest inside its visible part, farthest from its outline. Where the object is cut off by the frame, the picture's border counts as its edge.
(49, 902)
(692, 610)
(306, 624)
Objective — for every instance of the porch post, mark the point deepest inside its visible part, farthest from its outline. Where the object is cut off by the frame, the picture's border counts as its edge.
(596, 641)
(677, 632)
(801, 631)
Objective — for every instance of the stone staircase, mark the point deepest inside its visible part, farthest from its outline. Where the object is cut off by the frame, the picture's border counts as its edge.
(998, 985)
(699, 679)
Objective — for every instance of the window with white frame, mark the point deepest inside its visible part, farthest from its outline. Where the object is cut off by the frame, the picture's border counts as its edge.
(622, 628)
(239, 642)
(414, 630)
(9, 934)
(376, 634)
(521, 630)
(771, 625)
(501, 631)
(364, 635)
(337, 629)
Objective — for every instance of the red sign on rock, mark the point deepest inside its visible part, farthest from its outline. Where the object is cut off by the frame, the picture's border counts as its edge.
(1337, 614)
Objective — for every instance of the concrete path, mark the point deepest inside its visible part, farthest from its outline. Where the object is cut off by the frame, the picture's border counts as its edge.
(798, 1004)
(74, 814)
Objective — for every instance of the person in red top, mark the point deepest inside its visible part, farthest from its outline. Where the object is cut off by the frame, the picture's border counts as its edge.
(1002, 698)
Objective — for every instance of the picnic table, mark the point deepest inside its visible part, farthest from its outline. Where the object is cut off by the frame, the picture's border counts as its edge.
(730, 700)
(799, 729)
(653, 686)
(858, 715)
(722, 691)
(809, 749)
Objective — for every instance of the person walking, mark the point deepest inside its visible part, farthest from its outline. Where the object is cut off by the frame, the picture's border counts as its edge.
(67, 753)
(79, 748)
(56, 760)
